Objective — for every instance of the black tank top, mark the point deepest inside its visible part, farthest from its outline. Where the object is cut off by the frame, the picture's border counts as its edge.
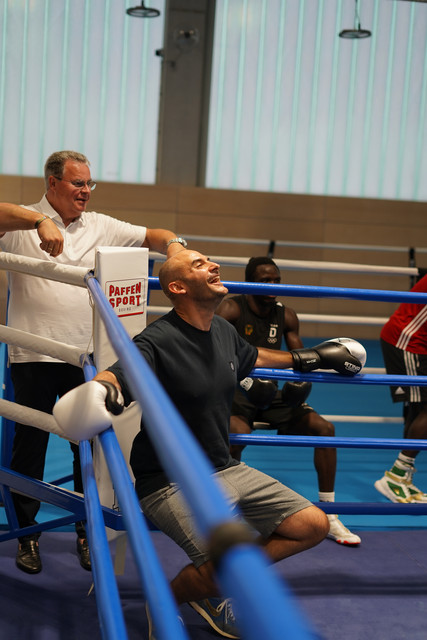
(260, 332)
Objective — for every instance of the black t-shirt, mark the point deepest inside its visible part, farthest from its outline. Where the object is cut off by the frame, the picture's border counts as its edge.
(199, 371)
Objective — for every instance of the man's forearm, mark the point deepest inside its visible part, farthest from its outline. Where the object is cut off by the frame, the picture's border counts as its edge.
(157, 240)
(274, 359)
(14, 218)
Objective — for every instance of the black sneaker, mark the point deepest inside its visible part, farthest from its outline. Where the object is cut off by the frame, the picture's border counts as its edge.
(83, 553)
(28, 557)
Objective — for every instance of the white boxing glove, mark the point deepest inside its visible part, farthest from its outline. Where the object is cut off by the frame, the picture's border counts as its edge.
(355, 348)
(87, 410)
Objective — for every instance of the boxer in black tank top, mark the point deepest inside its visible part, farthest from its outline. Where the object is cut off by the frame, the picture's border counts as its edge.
(266, 331)
(265, 322)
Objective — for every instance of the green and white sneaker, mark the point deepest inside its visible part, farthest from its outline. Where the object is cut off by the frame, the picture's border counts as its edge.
(340, 533)
(399, 487)
(393, 487)
(219, 614)
(416, 494)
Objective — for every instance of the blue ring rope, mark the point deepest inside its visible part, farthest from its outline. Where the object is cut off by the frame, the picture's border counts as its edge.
(327, 441)
(192, 471)
(336, 378)
(305, 291)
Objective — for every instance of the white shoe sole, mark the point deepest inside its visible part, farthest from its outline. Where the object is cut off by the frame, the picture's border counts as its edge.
(379, 486)
(344, 542)
(413, 499)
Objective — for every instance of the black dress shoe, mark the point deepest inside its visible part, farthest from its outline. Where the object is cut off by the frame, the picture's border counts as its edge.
(83, 553)
(28, 557)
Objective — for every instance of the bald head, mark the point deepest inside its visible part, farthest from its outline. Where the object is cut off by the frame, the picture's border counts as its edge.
(173, 269)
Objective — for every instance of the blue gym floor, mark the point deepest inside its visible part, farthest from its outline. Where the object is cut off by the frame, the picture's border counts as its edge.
(376, 591)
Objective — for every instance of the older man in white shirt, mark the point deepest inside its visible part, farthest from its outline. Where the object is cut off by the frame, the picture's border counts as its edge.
(58, 229)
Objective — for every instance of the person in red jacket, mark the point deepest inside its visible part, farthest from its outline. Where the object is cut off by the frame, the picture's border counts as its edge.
(404, 346)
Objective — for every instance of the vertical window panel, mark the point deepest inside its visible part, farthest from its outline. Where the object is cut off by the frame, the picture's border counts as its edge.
(278, 116)
(258, 106)
(421, 137)
(370, 99)
(79, 75)
(315, 113)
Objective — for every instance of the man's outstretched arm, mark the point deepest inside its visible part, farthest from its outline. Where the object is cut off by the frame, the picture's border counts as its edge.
(344, 355)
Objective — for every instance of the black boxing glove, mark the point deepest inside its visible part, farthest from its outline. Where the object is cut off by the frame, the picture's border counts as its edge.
(87, 410)
(114, 400)
(345, 355)
(295, 393)
(260, 392)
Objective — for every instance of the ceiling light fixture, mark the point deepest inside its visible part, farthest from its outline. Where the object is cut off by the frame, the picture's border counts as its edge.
(357, 32)
(141, 11)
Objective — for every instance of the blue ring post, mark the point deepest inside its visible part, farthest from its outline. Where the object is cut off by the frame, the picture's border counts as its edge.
(163, 608)
(107, 596)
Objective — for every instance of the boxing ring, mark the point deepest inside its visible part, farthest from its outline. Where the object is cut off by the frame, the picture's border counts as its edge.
(272, 612)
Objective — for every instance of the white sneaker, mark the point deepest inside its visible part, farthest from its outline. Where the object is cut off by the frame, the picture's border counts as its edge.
(340, 533)
(400, 488)
(416, 494)
(393, 487)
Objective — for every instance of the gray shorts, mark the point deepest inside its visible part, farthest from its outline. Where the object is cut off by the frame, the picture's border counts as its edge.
(263, 501)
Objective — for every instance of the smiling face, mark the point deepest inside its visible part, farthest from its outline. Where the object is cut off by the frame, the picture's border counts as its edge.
(203, 279)
(190, 274)
(70, 201)
(268, 274)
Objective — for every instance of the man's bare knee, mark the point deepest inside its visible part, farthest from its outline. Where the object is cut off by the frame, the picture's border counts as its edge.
(308, 524)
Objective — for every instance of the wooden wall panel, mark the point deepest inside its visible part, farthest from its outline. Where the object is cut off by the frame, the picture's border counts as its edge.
(110, 197)
(10, 189)
(32, 190)
(267, 216)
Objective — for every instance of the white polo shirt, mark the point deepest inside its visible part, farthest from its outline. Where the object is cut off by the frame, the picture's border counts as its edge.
(54, 309)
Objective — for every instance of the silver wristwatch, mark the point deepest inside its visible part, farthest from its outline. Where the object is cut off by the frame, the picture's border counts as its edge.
(179, 240)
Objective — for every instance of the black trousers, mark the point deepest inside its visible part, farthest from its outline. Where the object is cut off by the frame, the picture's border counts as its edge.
(37, 385)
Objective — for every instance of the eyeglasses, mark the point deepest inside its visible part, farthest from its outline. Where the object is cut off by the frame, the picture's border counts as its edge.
(79, 184)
